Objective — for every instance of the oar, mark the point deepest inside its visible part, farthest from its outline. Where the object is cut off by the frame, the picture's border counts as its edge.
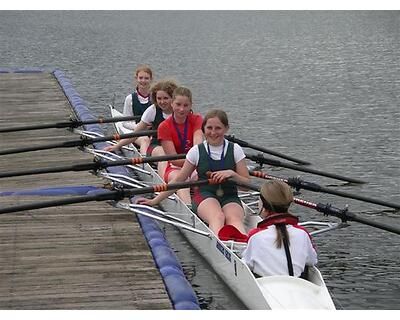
(328, 209)
(265, 150)
(87, 166)
(104, 196)
(298, 184)
(345, 215)
(68, 124)
(84, 141)
(262, 160)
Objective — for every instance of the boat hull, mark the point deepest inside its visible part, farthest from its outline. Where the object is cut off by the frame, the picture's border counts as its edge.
(256, 294)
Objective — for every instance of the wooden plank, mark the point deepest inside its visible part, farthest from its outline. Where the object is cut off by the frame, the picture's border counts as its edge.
(83, 256)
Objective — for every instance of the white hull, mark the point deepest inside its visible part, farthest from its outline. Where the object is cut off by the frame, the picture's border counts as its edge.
(277, 292)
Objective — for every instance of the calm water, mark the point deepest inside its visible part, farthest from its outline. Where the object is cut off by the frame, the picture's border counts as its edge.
(321, 86)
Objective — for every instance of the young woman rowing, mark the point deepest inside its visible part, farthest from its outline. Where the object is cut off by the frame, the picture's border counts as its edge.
(178, 133)
(219, 159)
(153, 116)
(138, 101)
(278, 246)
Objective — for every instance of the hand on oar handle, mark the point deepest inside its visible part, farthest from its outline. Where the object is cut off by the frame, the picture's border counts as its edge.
(146, 202)
(220, 176)
(111, 148)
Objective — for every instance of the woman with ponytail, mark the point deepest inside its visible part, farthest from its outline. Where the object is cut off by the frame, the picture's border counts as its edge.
(278, 246)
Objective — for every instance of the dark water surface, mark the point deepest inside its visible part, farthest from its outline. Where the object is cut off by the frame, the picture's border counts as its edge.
(320, 86)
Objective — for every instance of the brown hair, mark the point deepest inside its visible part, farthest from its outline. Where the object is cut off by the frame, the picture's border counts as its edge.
(144, 68)
(277, 196)
(182, 91)
(215, 113)
(164, 85)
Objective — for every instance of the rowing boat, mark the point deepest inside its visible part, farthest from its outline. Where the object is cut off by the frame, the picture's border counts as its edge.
(272, 292)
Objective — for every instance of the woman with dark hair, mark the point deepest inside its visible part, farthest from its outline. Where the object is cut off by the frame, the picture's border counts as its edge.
(278, 246)
(218, 159)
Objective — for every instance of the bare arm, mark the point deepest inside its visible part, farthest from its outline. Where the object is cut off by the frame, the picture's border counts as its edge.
(169, 149)
(140, 127)
(197, 137)
(183, 174)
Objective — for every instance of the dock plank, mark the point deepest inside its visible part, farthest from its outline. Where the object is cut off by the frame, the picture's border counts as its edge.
(82, 256)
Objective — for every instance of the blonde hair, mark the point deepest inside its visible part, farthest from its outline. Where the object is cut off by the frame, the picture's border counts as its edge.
(277, 196)
(144, 68)
(163, 85)
(182, 91)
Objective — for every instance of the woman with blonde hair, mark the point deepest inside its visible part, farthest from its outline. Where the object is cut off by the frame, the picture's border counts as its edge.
(138, 101)
(178, 133)
(278, 246)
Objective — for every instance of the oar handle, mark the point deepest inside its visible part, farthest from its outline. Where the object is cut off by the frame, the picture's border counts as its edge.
(265, 150)
(118, 137)
(108, 120)
(140, 160)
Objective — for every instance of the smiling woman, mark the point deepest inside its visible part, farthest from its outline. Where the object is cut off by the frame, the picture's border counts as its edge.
(219, 159)
(179, 133)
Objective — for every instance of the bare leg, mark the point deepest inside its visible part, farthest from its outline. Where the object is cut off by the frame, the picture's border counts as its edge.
(161, 165)
(184, 194)
(234, 214)
(144, 143)
(210, 211)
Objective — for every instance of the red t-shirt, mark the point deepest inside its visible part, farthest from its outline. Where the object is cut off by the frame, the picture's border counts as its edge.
(167, 131)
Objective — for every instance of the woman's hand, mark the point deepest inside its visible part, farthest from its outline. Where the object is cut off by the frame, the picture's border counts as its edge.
(221, 176)
(111, 148)
(146, 202)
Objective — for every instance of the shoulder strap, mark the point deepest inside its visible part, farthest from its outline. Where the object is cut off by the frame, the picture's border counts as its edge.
(287, 250)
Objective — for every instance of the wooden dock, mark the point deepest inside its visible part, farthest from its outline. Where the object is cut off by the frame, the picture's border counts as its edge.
(84, 256)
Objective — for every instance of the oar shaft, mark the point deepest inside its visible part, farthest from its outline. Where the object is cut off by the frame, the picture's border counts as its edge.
(77, 143)
(345, 215)
(330, 210)
(91, 165)
(379, 225)
(110, 195)
(265, 150)
(76, 167)
(107, 195)
(273, 162)
(68, 124)
(300, 184)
